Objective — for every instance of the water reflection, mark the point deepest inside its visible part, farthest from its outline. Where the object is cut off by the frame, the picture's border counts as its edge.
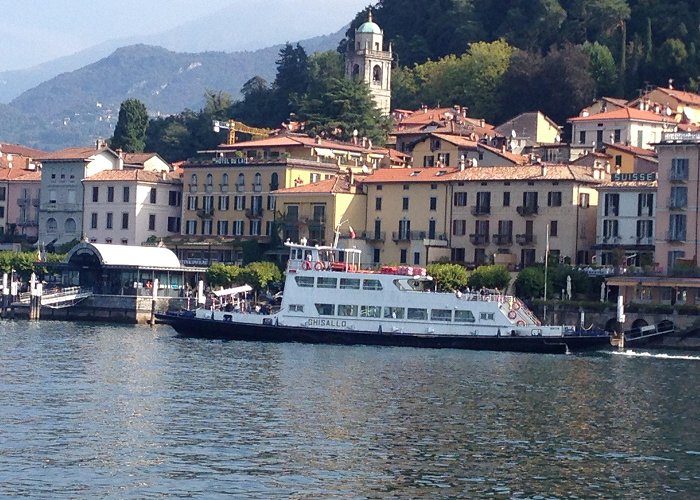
(133, 412)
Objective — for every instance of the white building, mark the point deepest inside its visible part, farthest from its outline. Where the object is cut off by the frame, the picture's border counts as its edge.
(630, 126)
(61, 198)
(131, 206)
(626, 220)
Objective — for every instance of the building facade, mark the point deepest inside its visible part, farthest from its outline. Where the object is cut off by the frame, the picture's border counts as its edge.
(678, 204)
(131, 207)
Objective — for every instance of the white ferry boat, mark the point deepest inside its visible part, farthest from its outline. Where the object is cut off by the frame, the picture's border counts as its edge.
(329, 297)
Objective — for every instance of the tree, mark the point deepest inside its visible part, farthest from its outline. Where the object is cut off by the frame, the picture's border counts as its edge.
(222, 275)
(489, 277)
(530, 282)
(130, 132)
(448, 277)
(345, 106)
(603, 68)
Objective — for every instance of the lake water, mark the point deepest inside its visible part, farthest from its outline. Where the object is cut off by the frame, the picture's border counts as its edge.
(104, 411)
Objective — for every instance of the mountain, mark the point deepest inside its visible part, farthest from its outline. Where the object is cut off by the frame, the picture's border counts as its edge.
(79, 106)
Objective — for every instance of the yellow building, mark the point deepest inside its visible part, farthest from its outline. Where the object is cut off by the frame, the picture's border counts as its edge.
(315, 211)
(407, 213)
(447, 150)
(507, 215)
(627, 159)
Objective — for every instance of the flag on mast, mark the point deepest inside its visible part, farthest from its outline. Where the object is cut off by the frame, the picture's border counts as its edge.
(352, 232)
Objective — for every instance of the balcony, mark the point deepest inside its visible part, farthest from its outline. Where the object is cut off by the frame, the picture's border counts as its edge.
(35, 202)
(401, 235)
(611, 240)
(208, 188)
(372, 235)
(224, 188)
(677, 204)
(678, 176)
(503, 239)
(527, 210)
(481, 210)
(193, 188)
(675, 236)
(525, 239)
(26, 223)
(645, 240)
(240, 188)
(479, 239)
(23, 202)
(254, 213)
(257, 188)
(205, 213)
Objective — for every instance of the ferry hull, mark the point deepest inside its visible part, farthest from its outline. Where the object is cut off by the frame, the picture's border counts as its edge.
(215, 329)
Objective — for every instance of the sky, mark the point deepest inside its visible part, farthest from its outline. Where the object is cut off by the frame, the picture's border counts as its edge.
(36, 31)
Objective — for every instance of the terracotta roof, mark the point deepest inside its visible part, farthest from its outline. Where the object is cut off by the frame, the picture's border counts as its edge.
(525, 173)
(338, 184)
(681, 96)
(622, 114)
(14, 173)
(632, 149)
(29, 176)
(401, 175)
(291, 140)
(515, 158)
(18, 149)
(73, 154)
(137, 158)
(18, 162)
(133, 175)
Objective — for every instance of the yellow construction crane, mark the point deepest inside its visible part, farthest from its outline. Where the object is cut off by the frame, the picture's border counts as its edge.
(233, 126)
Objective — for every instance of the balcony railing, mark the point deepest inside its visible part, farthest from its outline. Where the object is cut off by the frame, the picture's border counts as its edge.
(525, 239)
(205, 213)
(675, 236)
(612, 240)
(209, 188)
(678, 176)
(27, 223)
(527, 210)
(193, 188)
(481, 210)
(372, 235)
(257, 188)
(645, 240)
(479, 239)
(240, 188)
(22, 202)
(224, 188)
(254, 213)
(503, 239)
(677, 204)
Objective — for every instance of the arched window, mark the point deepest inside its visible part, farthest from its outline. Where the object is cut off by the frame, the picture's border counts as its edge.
(241, 180)
(274, 181)
(51, 225)
(356, 71)
(258, 179)
(377, 74)
(70, 226)
(193, 179)
(210, 179)
(224, 179)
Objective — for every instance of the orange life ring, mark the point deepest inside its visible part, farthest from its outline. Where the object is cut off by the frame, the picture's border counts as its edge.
(318, 266)
(516, 306)
(306, 265)
(521, 322)
(512, 315)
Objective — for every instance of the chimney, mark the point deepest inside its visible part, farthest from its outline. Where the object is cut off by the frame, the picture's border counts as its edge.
(461, 163)
(482, 122)
(544, 170)
(164, 175)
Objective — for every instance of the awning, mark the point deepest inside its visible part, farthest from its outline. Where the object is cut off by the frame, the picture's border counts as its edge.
(325, 152)
(233, 291)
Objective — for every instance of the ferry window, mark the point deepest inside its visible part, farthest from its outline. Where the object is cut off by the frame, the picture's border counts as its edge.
(370, 311)
(464, 316)
(305, 281)
(393, 312)
(347, 310)
(486, 316)
(325, 309)
(327, 283)
(371, 285)
(417, 313)
(441, 315)
(349, 284)
(299, 308)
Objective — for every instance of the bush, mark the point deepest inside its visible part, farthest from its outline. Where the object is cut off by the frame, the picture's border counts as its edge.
(448, 277)
(489, 277)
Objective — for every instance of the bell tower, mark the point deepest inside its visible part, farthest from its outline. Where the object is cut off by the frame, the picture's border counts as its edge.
(367, 60)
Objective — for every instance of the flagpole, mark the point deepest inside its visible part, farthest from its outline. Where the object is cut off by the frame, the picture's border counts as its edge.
(546, 264)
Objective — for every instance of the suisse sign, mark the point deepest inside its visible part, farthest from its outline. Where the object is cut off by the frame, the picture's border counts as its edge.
(634, 176)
